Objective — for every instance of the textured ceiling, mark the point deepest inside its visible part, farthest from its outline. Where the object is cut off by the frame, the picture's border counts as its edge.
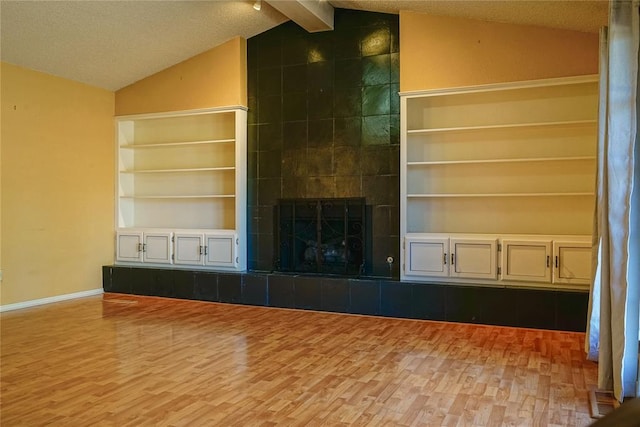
(111, 44)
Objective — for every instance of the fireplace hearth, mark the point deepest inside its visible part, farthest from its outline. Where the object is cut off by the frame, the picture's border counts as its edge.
(321, 236)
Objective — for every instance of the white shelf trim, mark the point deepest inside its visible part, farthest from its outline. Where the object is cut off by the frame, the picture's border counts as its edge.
(462, 195)
(503, 126)
(222, 168)
(200, 196)
(560, 81)
(178, 144)
(521, 160)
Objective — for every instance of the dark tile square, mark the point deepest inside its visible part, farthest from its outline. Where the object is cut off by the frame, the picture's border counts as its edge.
(376, 100)
(142, 281)
(499, 306)
(307, 292)
(347, 102)
(376, 160)
(269, 52)
(320, 47)
(254, 289)
(375, 130)
(536, 308)
(270, 164)
(121, 280)
(428, 301)
(324, 186)
(365, 296)
(230, 288)
(376, 41)
(294, 188)
(380, 189)
(252, 183)
(348, 73)
(347, 131)
(320, 103)
(269, 81)
(295, 48)
(381, 248)
(395, 299)
(270, 109)
(381, 221)
(376, 70)
(265, 251)
(320, 133)
(394, 68)
(252, 138)
(347, 41)
(335, 295)
(269, 136)
(268, 191)
(294, 106)
(252, 112)
(348, 186)
(206, 286)
(394, 99)
(281, 291)
(107, 272)
(394, 130)
(252, 53)
(320, 75)
(294, 134)
(346, 161)
(572, 310)
(184, 284)
(294, 164)
(320, 161)
(294, 78)
(461, 304)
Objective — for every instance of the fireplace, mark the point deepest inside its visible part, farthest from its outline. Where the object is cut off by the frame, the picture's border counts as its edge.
(320, 236)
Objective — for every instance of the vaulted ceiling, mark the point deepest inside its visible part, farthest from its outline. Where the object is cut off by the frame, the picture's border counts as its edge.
(111, 44)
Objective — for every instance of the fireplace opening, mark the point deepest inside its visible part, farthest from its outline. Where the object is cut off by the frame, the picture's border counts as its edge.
(321, 236)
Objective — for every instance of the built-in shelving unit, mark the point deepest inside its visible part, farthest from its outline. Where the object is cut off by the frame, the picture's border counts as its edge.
(184, 171)
(502, 159)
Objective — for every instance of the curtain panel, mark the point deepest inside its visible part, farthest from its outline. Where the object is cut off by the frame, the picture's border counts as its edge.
(612, 328)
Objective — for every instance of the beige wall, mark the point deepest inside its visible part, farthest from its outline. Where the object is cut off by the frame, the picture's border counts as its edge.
(215, 78)
(57, 185)
(439, 52)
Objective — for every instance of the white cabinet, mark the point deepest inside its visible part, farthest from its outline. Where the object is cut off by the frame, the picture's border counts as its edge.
(506, 260)
(526, 260)
(144, 246)
(502, 160)
(184, 171)
(427, 256)
(207, 249)
(473, 258)
(462, 257)
(572, 262)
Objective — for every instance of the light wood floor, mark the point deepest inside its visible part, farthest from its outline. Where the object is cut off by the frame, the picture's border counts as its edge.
(120, 360)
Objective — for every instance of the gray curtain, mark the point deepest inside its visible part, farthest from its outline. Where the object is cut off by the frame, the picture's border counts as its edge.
(612, 330)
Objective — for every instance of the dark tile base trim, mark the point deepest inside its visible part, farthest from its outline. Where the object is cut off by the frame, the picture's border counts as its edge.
(529, 308)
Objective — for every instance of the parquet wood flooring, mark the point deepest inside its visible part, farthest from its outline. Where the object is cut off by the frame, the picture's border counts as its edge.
(122, 360)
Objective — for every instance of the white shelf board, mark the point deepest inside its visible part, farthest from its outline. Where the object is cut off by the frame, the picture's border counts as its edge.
(521, 160)
(200, 196)
(177, 144)
(467, 195)
(503, 126)
(223, 168)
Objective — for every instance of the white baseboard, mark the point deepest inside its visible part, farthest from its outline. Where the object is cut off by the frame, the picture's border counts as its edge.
(49, 300)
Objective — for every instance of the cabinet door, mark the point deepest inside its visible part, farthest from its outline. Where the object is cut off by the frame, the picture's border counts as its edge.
(220, 250)
(572, 262)
(473, 258)
(157, 247)
(427, 256)
(189, 248)
(528, 261)
(129, 246)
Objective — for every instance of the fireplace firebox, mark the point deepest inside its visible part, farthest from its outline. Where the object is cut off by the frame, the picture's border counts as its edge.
(320, 236)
